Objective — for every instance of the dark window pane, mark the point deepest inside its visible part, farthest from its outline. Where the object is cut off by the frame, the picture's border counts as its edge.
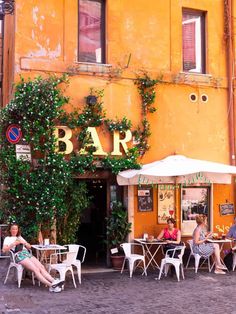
(90, 31)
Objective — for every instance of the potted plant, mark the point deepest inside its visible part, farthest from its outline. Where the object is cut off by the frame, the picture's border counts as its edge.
(118, 229)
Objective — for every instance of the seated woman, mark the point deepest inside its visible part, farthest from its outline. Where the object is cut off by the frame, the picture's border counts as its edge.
(200, 245)
(25, 258)
(171, 235)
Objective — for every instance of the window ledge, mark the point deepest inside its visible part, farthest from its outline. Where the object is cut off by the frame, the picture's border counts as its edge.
(188, 77)
(198, 78)
(88, 67)
(49, 65)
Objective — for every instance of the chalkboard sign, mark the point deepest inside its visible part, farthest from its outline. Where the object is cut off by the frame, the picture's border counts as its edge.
(145, 199)
(227, 209)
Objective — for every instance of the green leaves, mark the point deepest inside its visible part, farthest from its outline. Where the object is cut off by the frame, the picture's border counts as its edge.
(118, 226)
(146, 89)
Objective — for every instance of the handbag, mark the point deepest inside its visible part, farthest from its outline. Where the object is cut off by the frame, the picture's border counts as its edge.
(228, 260)
(171, 246)
(18, 248)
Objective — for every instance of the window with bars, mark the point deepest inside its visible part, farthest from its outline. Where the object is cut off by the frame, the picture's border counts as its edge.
(91, 43)
(193, 41)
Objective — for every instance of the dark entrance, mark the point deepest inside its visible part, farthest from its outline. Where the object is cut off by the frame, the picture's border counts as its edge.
(92, 231)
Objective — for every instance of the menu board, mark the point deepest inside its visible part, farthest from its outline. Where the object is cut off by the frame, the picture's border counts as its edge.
(145, 199)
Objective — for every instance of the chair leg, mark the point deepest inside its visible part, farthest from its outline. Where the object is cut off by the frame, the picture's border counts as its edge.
(33, 281)
(8, 271)
(209, 264)
(234, 261)
(161, 270)
(122, 268)
(144, 265)
(188, 260)
(73, 277)
(19, 276)
(197, 259)
(131, 267)
(166, 269)
(79, 273)
(177, 271)
(182, 270)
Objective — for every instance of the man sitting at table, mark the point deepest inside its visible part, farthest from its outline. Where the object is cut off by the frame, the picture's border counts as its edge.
(232, 231)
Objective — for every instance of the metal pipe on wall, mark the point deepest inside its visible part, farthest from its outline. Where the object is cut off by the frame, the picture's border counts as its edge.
(228, 5)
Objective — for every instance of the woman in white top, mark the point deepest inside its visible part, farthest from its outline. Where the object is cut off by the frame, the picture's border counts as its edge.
(18, 245)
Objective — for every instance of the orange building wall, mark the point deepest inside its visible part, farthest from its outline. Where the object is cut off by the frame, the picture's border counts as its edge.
(150, 31)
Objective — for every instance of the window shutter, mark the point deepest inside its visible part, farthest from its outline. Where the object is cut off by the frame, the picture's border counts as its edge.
(189, 49)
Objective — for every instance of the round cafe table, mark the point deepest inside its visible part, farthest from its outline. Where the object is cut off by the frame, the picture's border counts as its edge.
(221, 243)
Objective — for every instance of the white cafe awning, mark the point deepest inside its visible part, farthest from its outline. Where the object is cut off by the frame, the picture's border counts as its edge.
(178, 169)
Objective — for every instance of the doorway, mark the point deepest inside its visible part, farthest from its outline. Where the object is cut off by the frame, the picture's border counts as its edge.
(92, 230)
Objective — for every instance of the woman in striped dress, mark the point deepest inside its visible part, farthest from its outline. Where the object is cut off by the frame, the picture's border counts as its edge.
(204, 248)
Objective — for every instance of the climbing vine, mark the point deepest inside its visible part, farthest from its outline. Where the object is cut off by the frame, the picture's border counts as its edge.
(147, 91)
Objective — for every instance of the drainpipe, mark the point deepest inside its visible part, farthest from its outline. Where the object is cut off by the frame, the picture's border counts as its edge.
(228, 5)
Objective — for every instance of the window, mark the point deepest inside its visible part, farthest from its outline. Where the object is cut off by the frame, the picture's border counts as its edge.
(193, 37)
(194, 201)
(91, 31)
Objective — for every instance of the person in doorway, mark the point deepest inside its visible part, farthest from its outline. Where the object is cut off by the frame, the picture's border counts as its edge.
(19, 246)
(204, 248)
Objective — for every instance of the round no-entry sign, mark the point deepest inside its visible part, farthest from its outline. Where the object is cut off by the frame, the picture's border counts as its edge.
(13, 133)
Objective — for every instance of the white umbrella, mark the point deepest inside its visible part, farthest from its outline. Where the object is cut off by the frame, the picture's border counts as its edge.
(178, 169)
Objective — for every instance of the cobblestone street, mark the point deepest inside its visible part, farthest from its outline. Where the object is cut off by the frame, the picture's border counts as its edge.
(112, 292)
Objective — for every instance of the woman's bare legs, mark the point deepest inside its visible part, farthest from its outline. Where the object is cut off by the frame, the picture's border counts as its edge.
(217, 255)
(42, 269)
(39, 270)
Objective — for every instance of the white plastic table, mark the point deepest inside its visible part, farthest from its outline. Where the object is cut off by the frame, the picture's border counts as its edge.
(42, 249)
(149, 253)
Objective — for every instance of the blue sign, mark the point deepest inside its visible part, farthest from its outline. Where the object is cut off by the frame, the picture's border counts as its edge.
(13, 133)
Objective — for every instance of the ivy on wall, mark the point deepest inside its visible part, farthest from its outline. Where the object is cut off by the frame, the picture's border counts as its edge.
(146, 88)
(36, 194)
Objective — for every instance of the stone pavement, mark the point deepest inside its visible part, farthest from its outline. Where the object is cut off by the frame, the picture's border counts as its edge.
(112, 292)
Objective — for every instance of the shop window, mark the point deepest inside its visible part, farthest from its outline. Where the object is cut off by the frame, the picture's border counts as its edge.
(91, 42)
(194, 201)
(193, 41)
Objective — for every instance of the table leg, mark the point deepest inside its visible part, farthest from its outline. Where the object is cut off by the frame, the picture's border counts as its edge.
(151, 257)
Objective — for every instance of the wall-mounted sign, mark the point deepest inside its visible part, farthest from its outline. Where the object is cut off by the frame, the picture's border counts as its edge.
(227, 209)
(145, 199)
(166, 204)
(23, 152)
(13, 133)
(120, 139)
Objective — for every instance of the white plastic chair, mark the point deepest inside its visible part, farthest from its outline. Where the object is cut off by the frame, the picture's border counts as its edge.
(77, 248)
(132, 258)
(197, 258)
(170, 259)
(65, 265)
(19, 269)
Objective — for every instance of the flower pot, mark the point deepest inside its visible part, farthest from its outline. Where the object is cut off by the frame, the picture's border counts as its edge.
(117, 261)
